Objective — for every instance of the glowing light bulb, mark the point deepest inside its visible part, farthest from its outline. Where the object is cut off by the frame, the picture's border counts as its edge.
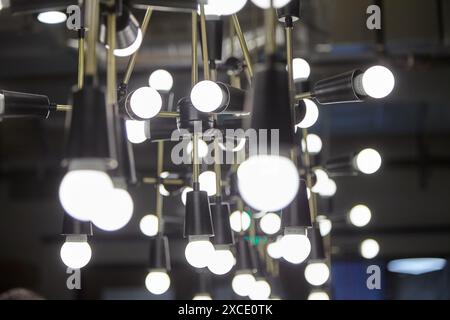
(145, 103)
(313, 142)
(378, 82)
(207, 180)
(296, 248)
(199, 252)
(311, 115)
(368, 161)
(268, 182)
(207, 96)
(240, 221)
(317, 273)
(318, 295)
(260, 290)
(76, 252)
(325, 225)
(203, 148)
(265, 4)
(329, 189)
(270, 223)
(157, 282)
(301, 69)
(52, 17)
(223, 8)
(369, 248)
(149, 225)
(163, 190)
(161, 80)
(275, 249)
(360, 215)
(321, 181)
(184, 194)
(125, 52)
(222, 262)
(117, 211)
(243, 283)
(135, 131)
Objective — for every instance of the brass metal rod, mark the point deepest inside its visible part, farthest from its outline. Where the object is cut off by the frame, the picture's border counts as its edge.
(307, 163)
(132, 61)
(206, 71)
(290, 69)
(194, 72)
(217, 167)
(168, 114)
(305, 95)
(81, 59)
(270, 24)
(159, 197)
(169, 182)
(243, 44)
(63, 107)
(111, 75)
(92, 16)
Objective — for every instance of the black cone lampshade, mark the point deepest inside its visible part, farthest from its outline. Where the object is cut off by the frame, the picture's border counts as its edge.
(126, 167)
(220, 212)
(18, 105)
(244, 258)
(160, 129)
(159, 257)
(338, 89)
(72, 226)
(197, 221)
(291, 11)
(317, 247)
(298, 214)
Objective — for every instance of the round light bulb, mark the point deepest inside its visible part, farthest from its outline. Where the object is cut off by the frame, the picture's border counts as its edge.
(240, 221)
(202, 296)
(260, 290)
(329, 189)
(145, 102)
(378, 82)
(149, 225)
(321, 181)
(317, 273)
(52, 17)
(311, 115)
(163, 190)
(161, 80)
(207, 180)
(76, 254)
(265, 4)
(360, 215)
(301, 69)
(325, 225)
(223, 8)
(243, 283)
(368, 161)
(184, 194)
(275, 250)
(270, 223)
(135, 131)
(296, 248)
(203, 148)
(199, 253)
(318, 295)
(369, 248)
(157, 282)
(268, 182)
(125, 52)
(222, 262)
(206, 96)
(313, 142)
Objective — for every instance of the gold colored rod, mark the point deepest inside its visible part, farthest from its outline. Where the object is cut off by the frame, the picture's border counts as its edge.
(243, 43)
(111, 76)
(269, 19)
(63, 107)
(159, 197)
(168, 114)
(92, 18)
(169, 182)
(307, 163)
(194, 73)
(305, 95)
(81, 59)
(206, 72)
(217, 168)
(132, 61)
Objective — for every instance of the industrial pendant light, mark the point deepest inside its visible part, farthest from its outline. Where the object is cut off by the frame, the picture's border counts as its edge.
(158, 280)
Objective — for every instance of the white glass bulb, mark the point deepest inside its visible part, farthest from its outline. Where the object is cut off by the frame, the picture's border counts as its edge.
(265, 4)
(301, 69)
(360, 215)
(184, 194)
(260, 290)
(202, 148)
(317, 273)
(207, 180)
(163, 190)
(329, 189)
(202, 296)
(149, 225)
(321, 181)
(125, 52)
(145, 102)
(311, 115)
(243, 283)
(222, 262)
(318, 295)
(313, 142)
(199, 253)
(268, 182)
(52, 17)
(135, 131)
(240, 221)
(76, 254)
(223, 8)
(325, 225)
(275, 249)
(270, 223)
(378, 82)
(157, 282)
(368, 161)
(296, 248)
(206, 96)
(369, 248)
(161, 80)
(116, 212)
(83, 192)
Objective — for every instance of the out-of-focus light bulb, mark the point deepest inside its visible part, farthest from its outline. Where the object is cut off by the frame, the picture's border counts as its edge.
(313, 142)
(360, 215)
(117, 211)
(378, 82)
(325, 225)
(311, 115)
(317, 273)
(369, 248)
(145, 102)
(301, 69)
(202, 148)
(329, 189)
(202, 296)
(161, 80)
(265, 4)
(223, 8)
(275, 249)
(184, 194)
(270, 223)
(268, 182)
(125, 52)
(157, 282)
(240, 221)
(260, 290)
(318, 295)
(76, 252)
(230, 145)
(149, 225)
(199, 252)
(222, 262)
(243, 283)
(207, 180)
(321, 181)
(135, 131)
(207, 96)
(368, 161)
(296, 248)
(163, 190)
(51, 17)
